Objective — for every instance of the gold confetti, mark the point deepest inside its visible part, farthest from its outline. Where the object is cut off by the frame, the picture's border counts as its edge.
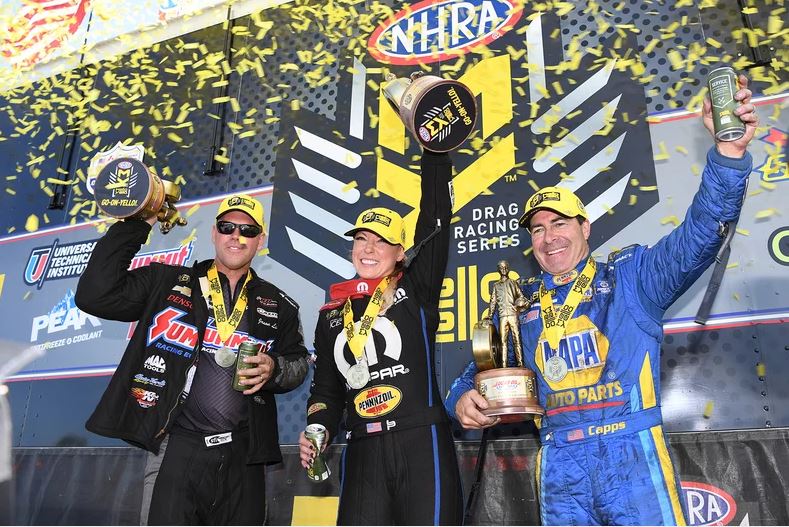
(708, 407)
(662, 154)
(761, 370)
(31, 225)
(766, 213)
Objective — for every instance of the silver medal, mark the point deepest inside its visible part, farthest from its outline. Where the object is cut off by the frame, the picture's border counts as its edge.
(225, 357)
(555, 369)
(358, 375)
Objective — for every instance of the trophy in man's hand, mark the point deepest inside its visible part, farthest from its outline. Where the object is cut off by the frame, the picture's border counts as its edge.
(440, 113)
(510, 391)
(126, 188)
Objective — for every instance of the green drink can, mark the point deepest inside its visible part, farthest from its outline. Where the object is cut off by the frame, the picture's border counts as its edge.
(245, 349)
(722, 83)
(316, 434)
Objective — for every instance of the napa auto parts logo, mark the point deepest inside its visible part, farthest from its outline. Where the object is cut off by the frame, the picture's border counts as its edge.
(708, 505)
(432, 30)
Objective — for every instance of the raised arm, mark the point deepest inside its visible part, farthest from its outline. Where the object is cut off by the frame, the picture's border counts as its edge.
(677, 260)
(107, 288)
(428, 267)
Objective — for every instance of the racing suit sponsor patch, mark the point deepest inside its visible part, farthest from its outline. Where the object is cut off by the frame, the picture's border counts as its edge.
(378, 400)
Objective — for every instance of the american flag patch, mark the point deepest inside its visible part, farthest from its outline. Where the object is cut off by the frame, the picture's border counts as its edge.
(575, 435)
(374, 427)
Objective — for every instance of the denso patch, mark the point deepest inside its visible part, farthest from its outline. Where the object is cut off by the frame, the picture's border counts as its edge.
(378, 400)
(708, 505)
(431, 30)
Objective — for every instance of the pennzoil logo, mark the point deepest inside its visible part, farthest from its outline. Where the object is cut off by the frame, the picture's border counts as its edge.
(378, 400)
(431, 31)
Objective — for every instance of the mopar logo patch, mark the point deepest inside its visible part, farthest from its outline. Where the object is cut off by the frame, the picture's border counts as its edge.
(708, 505)
(431, 31)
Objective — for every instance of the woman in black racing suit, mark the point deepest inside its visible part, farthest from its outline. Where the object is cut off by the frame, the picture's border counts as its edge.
(400, 465)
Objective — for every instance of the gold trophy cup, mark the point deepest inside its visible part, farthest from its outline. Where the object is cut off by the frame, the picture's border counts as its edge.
(440, 113)
(126, 188)
(510, 391)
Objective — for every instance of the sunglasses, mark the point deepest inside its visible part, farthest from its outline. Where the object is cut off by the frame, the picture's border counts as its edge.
(245, 230)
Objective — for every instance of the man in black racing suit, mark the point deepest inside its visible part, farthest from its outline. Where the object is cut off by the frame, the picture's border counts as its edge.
(208, 443)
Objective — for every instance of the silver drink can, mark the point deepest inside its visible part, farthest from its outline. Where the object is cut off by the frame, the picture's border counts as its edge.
(722, 83)
(316, 434)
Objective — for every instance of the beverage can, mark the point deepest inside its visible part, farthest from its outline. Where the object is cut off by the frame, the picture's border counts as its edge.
(316, 434)
(722, 83)
(245, 349)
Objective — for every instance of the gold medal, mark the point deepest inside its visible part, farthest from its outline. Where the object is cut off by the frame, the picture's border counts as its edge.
(225, 357)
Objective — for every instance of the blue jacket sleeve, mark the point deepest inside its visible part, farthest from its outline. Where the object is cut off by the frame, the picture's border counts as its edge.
(461, 385)
(676, 261)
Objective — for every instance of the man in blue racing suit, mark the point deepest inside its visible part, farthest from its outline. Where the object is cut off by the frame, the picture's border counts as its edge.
(592, 336)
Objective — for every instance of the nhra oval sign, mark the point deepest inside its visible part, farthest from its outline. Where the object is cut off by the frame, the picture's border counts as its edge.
(708, 505)
(435, 30)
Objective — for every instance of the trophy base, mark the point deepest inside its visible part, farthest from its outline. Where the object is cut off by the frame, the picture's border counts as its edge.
(510, 392)
(514, 414)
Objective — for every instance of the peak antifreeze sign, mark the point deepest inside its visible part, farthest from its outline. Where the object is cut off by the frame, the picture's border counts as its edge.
(436, 30)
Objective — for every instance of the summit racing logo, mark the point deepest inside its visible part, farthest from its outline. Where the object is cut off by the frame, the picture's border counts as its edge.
(57, 261)
(170, 334)
(178, 256)
(432, 31)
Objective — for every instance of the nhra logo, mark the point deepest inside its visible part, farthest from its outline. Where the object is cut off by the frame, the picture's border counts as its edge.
(177, 256)
(432, 31)
(708, 505)
(57, 261)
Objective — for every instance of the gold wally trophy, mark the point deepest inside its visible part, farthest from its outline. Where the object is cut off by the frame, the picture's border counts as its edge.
(440, 113)
(126, 188)
(510, 391)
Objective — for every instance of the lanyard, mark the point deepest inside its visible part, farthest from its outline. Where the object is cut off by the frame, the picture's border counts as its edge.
(555, 325)
(224, 325)
(356, 341)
